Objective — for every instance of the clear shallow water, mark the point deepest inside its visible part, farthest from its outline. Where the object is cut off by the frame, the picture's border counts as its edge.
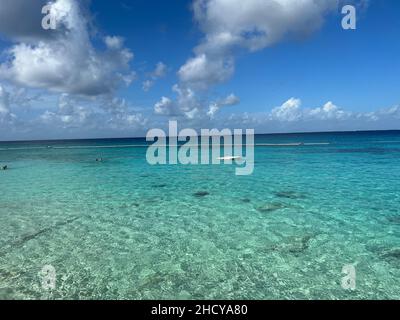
(123, 229)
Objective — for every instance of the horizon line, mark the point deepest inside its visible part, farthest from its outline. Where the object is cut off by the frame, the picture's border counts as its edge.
(256, 134)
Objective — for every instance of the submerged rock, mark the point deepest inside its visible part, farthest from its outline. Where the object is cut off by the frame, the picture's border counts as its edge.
(394, 219)
(200, 194)
(246, 200)
(152, 280)
(385, 252)
(271, 207)
(392, 255)
(27, 237)
(289, 195)
(161, 185)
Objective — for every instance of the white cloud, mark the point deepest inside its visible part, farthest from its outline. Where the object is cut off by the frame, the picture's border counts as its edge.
(4, 101)
(107, 113)
(288, 111)
(69, 113)
(292, 117)
(251, 25)
(164, 107)
(159, 72)
(114, 42)
(6, 116)
(147, 84)
(216, 106)
(122, 115)
(68, 62)
(201, 71)
(328, 111)
(65, 61)
(20, 20)
(187, 104)
(391, 112)
(291, 111)
(42, 63)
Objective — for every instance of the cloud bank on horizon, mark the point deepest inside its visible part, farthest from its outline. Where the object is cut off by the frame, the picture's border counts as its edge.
(76, 74)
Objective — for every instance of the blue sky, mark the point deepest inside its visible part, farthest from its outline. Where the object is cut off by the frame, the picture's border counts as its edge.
(119, 68)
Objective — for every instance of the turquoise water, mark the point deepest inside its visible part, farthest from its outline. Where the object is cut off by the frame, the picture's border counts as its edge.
(122, 229)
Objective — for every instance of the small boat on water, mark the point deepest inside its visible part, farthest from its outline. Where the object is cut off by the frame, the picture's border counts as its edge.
(230, 158)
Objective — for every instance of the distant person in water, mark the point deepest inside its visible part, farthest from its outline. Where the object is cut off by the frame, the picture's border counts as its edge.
(4, 167)
(99, 160)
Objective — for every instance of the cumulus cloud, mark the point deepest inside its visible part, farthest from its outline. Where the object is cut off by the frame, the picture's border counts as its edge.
(329, 111)
(251, 25)
(114, 42)
(288, 111)
(6, 117)
(230, 100)
(21, 20)
(291, 111)
(44, 64)
(85, 76)
(67, 62)
(292, 117)
(187, 104)
(68, 114)
(165, 107)
(159, 72)
(122, 115)
(202, 71)
(101, 114)
(147, 84)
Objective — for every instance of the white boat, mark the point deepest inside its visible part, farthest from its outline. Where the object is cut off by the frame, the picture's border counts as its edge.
(230, 158)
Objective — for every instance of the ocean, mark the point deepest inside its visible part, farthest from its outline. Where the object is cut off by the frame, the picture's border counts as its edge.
(123, 229)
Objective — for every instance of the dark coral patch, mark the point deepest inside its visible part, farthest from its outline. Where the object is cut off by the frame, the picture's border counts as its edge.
(201, 194)
(394, 219)
(289, 195)
(392, 255)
